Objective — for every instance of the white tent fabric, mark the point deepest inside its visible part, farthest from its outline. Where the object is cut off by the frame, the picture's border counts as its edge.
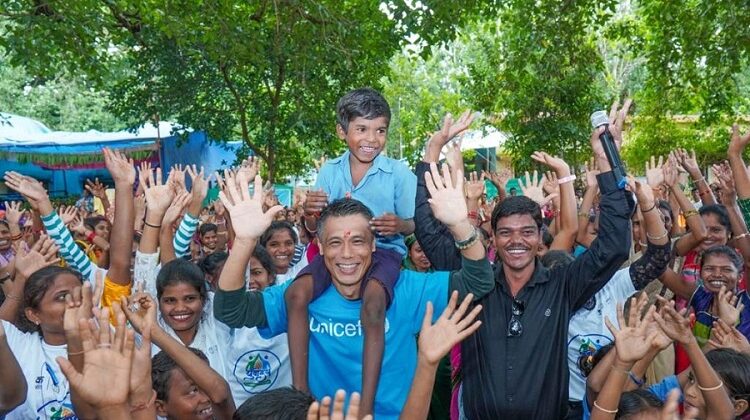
(21, 131)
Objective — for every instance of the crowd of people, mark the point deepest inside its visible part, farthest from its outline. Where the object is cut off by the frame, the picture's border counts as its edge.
(383, 291)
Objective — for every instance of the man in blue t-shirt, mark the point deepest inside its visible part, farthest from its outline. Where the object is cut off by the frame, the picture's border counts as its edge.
(347, 244)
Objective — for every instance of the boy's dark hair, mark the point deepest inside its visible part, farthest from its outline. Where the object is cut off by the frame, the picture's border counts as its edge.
(34, 290)
(264, 258)
(161, 371)
(275, 226)
(276, 404)
(343, 207)
(555, 257)
(726, 251)
(733, 368)
(181, 271)
(637, 401)
(211, 262)
(720, 212)
(518, 204)
(366, 102)
(547, 237)
(207, 227)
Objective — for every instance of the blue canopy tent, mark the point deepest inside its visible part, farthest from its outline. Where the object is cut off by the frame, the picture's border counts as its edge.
(64, 160)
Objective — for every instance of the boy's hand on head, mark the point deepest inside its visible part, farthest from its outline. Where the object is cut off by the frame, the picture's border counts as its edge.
(387, 225)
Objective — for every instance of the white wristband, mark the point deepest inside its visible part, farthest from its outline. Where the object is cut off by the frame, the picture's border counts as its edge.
(566, 179)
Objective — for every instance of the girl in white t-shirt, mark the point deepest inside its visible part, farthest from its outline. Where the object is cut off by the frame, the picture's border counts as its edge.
(249, 363)
(38, 339)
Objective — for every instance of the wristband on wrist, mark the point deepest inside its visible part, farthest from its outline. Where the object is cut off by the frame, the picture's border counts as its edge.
(638, 382)
(568, 178)
(90, 237)
(468, 242)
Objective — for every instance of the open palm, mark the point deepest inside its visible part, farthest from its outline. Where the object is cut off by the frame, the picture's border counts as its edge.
(447, 202)
(248, 218)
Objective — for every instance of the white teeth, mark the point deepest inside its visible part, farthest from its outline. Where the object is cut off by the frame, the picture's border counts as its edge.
(516, 251)
(181, 317)
(716, 283)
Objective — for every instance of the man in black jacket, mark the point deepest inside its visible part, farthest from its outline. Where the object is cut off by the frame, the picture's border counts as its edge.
(515, 365)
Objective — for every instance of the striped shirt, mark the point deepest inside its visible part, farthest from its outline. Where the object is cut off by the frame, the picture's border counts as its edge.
(184, 235)
(69, 251)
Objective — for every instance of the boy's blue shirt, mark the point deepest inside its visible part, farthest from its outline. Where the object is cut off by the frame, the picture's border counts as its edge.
(337, 340)
(389, 186)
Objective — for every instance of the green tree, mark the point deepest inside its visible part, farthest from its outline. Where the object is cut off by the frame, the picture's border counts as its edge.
(269, 72)
(64, 103)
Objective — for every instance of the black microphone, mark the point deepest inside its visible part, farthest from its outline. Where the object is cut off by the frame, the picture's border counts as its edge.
(598, 119)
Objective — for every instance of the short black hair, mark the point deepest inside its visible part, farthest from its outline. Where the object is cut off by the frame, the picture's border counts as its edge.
(264, 258)
(211, 262)
(181, 271)
(275, 226)
(365, 102)
(276, 404)
(637, 401)
(555, 257)
(341, 208)
(518, 204)
(720, 212)
(726, 251)
(733, 368)
(207, 227)
(161, 371)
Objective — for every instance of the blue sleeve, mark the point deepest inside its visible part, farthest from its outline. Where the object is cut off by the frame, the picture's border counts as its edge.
(416, 289)
(323, 181)
(275, 308)
(662, 389)
(406, 191)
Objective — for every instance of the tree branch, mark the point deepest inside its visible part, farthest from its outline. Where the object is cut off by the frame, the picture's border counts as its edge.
(242, 108)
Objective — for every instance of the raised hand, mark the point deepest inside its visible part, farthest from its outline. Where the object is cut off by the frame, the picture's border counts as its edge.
(199, 183)
(724, 335)
(676, 325)
(96, 188)
(532, 188)
(689, 162)
(453, 326)
(144, 173)
(248, 218)
(251, 167)
(655, 172)
(67, 214)
(176, 208)
(453, 156)
(738, 142)
(449, 130)
(140, 389)
(592, 170)
(475, 186)
(30, 188)
(42, 254)
(140, 310)
(670, 171)
(119, 166)
(499, 178)
(158, 195)
(617, 118)
(671, 410)
(550, 185)
(559, 166)
(632, 340)
(107, 363)
(729, 306)
(13, 212)
(728, 193)
(78, 305)
(447, 201)
(177, 178)
(322, 410)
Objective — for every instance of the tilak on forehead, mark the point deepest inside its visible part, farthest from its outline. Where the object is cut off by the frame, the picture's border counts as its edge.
(347, 233)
